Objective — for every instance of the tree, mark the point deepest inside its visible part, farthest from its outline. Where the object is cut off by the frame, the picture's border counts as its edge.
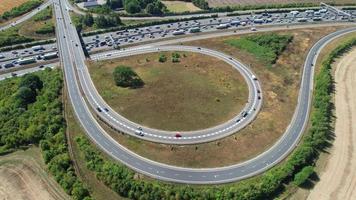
(88, 20)
(31, 81)
(162, 58)
(132, 6)
(303, 175)
(25, 96)
(114, 4)
(126, 77)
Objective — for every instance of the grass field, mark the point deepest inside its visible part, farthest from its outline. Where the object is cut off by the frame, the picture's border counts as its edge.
(180, 6)
(221, 3)
(6, 5)
(280, 84)
(198, 92)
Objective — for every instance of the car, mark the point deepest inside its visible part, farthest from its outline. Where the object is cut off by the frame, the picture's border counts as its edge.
(98, 109)
(178, 135)
(13, 74)
(254, 77)
(139, 133)
(258, 97)
(41, 66)
(244, 114)
(106, 110)
(238, 120)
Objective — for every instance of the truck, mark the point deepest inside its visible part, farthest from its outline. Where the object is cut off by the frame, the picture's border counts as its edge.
(49, 56)
(235, 22)
(24, 61)
(194, 30)
(37, 48)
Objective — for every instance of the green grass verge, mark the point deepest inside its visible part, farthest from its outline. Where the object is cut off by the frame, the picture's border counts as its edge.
(266, 47)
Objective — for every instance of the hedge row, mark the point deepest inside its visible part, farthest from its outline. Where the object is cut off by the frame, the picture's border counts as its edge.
(27, 45)
(120, 179)
(22, 9)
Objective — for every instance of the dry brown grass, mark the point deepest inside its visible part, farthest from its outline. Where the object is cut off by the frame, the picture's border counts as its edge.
(198, 92)
(221, 3)
(280, 89)
(6, 5)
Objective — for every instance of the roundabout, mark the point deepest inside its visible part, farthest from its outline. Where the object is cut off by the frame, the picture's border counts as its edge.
(239, 121)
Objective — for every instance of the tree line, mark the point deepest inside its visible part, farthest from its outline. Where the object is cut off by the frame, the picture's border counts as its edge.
(297, 168)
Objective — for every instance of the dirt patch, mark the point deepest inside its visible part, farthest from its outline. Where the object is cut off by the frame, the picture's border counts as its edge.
(7, 5)
(180, 6)
(22, 177)
(338, 180)
(196, 93)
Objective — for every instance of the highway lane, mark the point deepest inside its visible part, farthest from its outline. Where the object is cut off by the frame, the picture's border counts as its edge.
(27, 16)
(187, 175)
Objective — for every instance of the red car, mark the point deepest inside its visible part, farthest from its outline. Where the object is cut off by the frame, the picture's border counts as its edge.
(178, 135)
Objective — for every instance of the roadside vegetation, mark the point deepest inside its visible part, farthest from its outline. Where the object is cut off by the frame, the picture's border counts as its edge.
(38, 27)
(11, 37)
(266, 47)
(20, 10)
(31, 114)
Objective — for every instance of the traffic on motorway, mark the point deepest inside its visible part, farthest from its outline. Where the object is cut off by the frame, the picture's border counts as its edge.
(126, 37)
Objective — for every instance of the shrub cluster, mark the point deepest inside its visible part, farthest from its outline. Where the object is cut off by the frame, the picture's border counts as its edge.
(120, 179)
(266, 47)
(43, 15)
(22, 9)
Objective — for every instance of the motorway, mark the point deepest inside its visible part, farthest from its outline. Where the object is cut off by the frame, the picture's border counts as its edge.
(72, 59)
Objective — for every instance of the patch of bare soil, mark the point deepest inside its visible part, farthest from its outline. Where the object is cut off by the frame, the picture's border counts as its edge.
(338, 179)
(22, 180)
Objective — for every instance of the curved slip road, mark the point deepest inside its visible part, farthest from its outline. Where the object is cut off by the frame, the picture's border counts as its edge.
(27, 16)
(122, 124)
(72, 57)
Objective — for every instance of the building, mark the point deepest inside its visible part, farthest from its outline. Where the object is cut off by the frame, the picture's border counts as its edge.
(90, 4)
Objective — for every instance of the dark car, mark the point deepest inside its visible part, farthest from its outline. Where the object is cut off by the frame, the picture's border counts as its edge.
(178, 135)
(98, 109)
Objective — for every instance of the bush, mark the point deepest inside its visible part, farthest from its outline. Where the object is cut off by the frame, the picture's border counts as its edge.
(303, 175)
(126, 77)
(202, 4)
(175, 57)
(162, 58)
(22, 9)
